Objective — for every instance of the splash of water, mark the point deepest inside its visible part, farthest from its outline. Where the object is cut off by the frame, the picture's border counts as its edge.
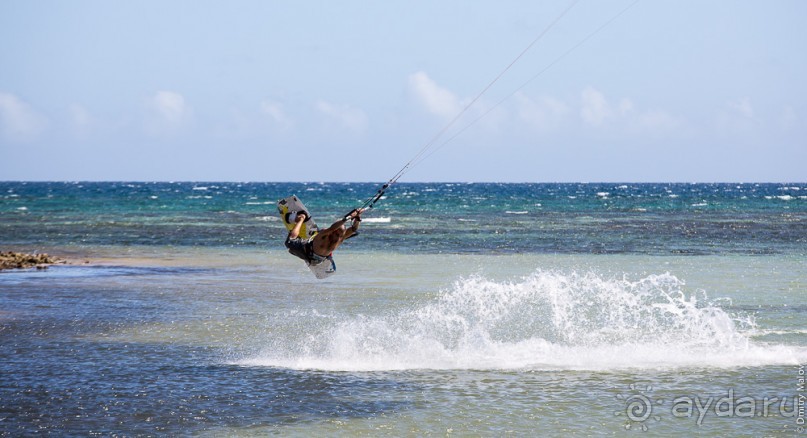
(549, 320)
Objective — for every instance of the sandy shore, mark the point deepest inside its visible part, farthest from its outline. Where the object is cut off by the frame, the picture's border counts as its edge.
(44, 256)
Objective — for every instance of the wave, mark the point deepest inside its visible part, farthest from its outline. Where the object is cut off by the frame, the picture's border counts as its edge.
(547, 321)
(379, 220)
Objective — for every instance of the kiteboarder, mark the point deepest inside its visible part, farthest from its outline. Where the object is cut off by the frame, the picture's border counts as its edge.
(321, 246)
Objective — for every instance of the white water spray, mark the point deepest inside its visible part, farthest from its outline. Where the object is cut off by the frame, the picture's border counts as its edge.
(549, 320)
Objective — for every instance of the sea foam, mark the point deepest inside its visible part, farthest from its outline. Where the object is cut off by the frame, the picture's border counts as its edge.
(549, 320)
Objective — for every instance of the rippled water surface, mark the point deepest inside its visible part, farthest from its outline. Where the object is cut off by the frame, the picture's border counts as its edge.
(578, 309)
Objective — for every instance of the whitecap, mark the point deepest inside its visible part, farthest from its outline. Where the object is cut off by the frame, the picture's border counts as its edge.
(778, 332)
(377, 220)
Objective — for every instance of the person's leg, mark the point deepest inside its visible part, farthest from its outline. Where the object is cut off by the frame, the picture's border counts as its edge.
(297, 248)
(294, 243)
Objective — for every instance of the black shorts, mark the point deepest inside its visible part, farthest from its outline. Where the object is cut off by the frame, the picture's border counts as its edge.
(304, 249)
(299, 247)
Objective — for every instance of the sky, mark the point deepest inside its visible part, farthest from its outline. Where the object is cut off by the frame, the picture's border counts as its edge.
(669, 91)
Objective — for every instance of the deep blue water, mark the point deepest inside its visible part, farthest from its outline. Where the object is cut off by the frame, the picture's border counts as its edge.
(609, 218)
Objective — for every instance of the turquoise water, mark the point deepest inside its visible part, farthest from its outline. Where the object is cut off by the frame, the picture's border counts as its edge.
(654, 219)
(464, 309)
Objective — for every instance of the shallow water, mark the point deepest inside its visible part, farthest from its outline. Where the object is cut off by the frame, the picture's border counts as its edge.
(433, 344)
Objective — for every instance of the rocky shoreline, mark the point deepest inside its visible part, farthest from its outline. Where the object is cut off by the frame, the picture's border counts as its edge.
(18, 260)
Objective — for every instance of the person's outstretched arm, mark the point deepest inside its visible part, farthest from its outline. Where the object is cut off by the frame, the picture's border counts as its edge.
(354, 228)
(335, 226)
(338, 224)
(298, 224)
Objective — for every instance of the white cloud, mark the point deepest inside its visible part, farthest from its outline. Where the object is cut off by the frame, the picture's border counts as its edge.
(737, 117)
(543, 113)
(348, 117)
(789, 118)
(79, 116)
(595, 109)
(170, 106)
(81, 120)
(18, 121)
(435, 99)
(742, 107)
(625, 106)
(276, 114)
(168, 113)
(657, 120)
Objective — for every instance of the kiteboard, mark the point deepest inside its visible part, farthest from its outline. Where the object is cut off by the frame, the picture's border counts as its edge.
(289, 208)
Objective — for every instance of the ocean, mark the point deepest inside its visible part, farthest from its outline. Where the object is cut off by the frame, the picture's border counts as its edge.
(461, 309)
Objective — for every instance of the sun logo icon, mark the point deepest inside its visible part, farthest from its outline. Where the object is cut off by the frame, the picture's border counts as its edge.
(638, 407)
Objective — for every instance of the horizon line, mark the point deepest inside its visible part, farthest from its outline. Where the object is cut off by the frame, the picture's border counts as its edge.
(148, 181)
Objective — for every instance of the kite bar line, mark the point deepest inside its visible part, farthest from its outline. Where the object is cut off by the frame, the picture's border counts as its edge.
(550, 65)
(459, 115)
(428, 147)
(370, 202)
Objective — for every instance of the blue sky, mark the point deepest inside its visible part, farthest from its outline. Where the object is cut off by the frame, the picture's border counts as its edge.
(678, 90)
